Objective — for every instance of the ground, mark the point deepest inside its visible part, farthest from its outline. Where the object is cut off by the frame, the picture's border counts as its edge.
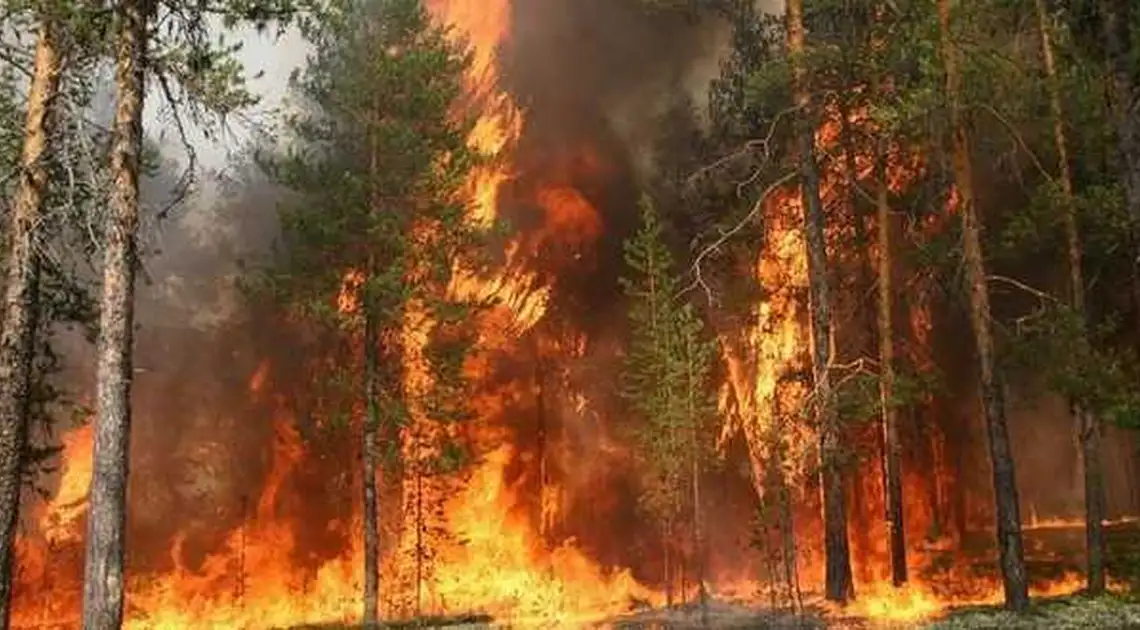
(1073, 612)
(1068, 612)
(1050, 552)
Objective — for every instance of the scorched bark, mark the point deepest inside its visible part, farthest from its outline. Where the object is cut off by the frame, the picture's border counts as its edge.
(892, 446)
(993, 400)
(839, 585)
(107, 504)
(21, 301)
(369, 466)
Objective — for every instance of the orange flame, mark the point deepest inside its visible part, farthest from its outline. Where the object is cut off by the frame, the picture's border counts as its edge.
(493, 558)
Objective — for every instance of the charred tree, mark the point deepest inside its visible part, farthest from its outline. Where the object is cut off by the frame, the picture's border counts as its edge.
(107, 504)
(839, 584)
(21, 303)
(1012, 556)
(1088, 425)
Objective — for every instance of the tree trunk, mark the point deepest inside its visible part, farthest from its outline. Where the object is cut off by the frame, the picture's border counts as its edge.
(368, 456)
(668, 564)
(1095, 500)
(546, 513)
(419, 525)
(1117, 19)
(1088, 425)
(788, 547)
(107, 505)
(839, 585)
(695, 463)
(368, 461)
(993, 401)
(21, 301)
(892, 447)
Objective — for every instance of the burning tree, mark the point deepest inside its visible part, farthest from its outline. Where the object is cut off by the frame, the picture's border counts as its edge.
(44, 209)
(832, 197)
(370, 243)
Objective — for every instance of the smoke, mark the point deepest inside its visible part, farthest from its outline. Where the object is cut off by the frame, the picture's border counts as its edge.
(609, 69)
(593, 77)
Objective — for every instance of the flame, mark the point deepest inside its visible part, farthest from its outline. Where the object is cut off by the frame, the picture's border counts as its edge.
(62, 516)
(487, 553)
(348, 299)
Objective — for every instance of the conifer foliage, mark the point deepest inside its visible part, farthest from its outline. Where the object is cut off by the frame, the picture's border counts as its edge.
(666, 382)
(377, 165)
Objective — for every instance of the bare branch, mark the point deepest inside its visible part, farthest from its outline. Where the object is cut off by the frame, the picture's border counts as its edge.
(698, 278)
(1024, 287)
(763, 145)
(186, 180)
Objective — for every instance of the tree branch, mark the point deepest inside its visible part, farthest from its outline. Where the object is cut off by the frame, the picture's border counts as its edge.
(1024, 287)
(698, 278)
(1005, 122)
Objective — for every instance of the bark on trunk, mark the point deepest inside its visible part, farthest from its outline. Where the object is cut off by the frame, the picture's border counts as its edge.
(993, 402)
(666, 544)
(371, 426)
(107, 508)
(892, 447)
(1087, 424)
(1117, 19)
(21, 301)
(368, 460)
(1095, 501)
(839, 584)
(695, 464)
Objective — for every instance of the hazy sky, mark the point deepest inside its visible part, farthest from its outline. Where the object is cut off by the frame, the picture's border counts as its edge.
(276, 58)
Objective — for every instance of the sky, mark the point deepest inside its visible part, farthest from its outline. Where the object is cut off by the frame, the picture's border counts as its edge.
(275, 58)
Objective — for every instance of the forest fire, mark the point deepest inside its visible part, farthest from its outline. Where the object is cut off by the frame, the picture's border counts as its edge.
(502, 566)
(534, 532)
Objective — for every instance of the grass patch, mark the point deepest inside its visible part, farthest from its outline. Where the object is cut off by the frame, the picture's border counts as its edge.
(1110, 611)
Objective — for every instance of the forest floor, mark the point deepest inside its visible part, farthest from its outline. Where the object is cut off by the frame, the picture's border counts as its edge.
(1112, 611)
(1073, 612)
(1051, 552)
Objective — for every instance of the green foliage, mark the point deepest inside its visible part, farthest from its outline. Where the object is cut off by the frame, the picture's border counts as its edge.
(66, 237)
(858, 397)
(1109, 611)
(666, 374)
(1081, 365)
(376, 162)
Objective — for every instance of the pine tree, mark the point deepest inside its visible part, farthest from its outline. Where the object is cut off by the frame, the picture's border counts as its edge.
(666, 381)
(184, 57)
(21, 302)
(993, 397)
(1086, 421)
(378, 164)
(840, 586)
(42, 104)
